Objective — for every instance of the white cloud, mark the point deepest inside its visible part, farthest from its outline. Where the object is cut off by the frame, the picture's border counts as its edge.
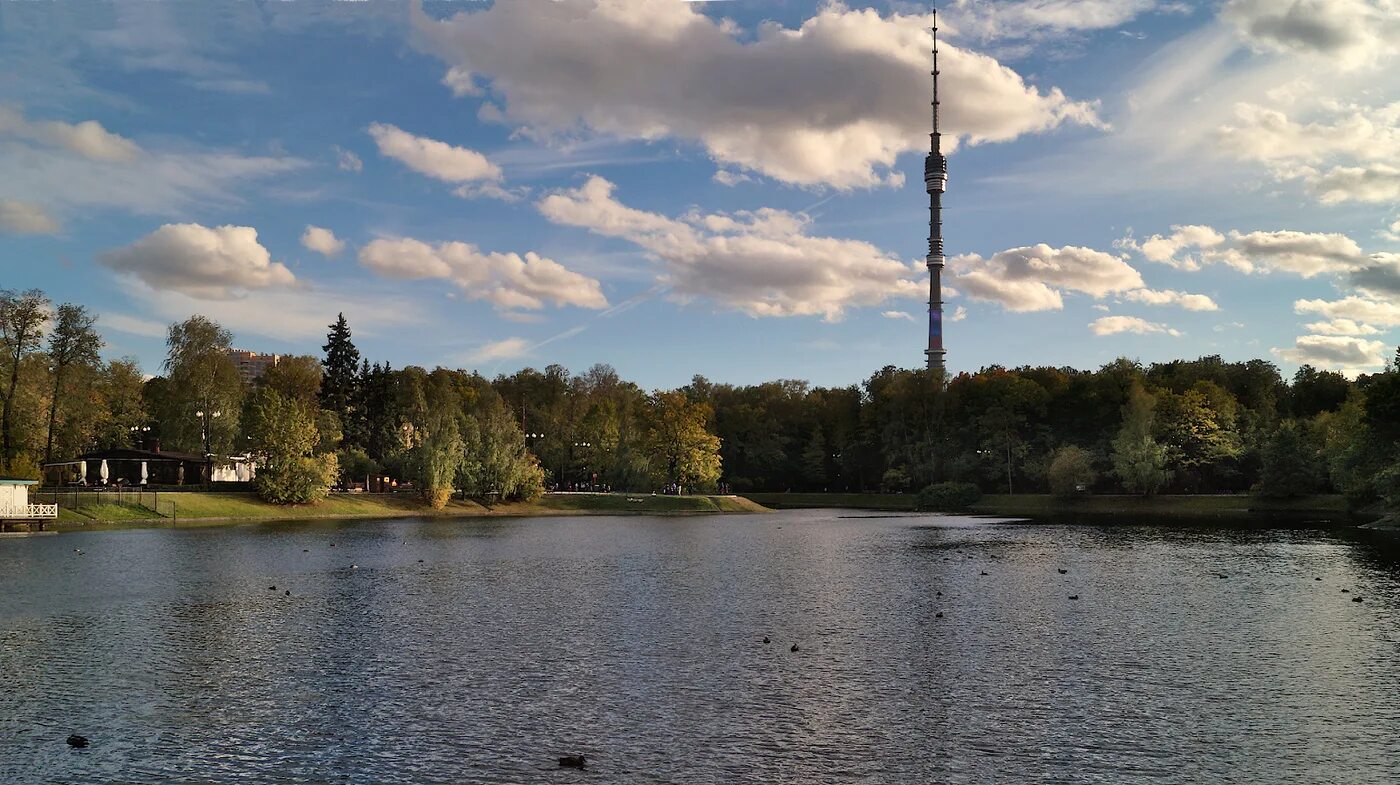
(1375, 183)
(759, 262)
(1392, 232)
(959, 314)
(87, 138)
(991, 21)
(199, 261)
(1033, 278)
(18, 217)
(1349, 33)
(156, 182)
(1348, 355)
(507, 280)
(505, 349)
(132, 325)
(346, 160)
(1302, 253)
(1350, 131)
(1341, 327)
(435, 159)
(1113, 325)
(294, 314)
(897, 315)
(824, 103)
(1358, 309)
(1191, 302)
(322, 241)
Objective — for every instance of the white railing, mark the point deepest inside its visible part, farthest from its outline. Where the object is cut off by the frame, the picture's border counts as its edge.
(29, 511)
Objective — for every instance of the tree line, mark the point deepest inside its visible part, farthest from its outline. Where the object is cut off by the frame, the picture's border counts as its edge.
(1186, 426)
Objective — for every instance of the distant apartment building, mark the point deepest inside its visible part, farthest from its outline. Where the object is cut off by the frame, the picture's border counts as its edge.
(251, 365)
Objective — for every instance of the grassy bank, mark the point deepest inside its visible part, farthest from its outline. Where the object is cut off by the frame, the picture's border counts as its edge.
(203, 509)
(1196, 507)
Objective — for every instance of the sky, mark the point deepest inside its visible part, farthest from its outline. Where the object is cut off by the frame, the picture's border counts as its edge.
(730, 189)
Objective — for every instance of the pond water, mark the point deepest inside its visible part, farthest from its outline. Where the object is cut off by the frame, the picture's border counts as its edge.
(416, 651)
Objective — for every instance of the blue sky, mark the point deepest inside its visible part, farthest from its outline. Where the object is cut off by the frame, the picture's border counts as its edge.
(724, 188)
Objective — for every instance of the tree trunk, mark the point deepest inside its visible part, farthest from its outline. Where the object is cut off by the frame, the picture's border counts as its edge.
(53, 411)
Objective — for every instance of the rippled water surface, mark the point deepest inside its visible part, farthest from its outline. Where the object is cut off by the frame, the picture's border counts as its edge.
(459, 652)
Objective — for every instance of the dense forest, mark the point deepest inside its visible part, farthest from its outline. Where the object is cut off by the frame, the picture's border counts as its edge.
(1187, 426)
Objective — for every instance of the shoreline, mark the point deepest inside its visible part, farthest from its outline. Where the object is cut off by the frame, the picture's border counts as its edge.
(1330, 509)
(197, 509)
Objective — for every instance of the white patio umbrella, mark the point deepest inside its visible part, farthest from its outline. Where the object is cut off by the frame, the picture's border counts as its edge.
(143, 473)
(82, 472)
(102, 471)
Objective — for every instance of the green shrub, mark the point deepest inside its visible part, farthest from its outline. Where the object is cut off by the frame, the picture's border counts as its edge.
(947, 497)
(1071, 472)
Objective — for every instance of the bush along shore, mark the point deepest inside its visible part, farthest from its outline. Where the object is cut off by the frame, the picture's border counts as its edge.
(204, 509)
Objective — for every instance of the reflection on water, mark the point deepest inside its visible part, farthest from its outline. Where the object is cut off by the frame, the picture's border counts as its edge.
(451, 652)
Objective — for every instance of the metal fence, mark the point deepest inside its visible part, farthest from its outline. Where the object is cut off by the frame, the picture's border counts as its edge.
(162, 505)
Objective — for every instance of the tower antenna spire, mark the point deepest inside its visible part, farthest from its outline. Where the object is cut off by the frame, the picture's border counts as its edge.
(935, 182)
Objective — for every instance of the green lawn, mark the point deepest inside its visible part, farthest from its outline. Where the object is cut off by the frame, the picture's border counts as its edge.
(196, 508)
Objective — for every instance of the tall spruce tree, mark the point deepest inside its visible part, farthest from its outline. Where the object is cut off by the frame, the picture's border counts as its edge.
(341, 382)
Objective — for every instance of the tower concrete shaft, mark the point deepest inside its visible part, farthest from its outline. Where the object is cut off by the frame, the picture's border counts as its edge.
(935, 181)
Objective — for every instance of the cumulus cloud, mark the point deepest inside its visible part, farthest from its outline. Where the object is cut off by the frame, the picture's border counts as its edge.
(202, 262)
(1379, 279)
(18, 217)
(761, 262)
(1191, 302)
(1358, 309)
(959, 314)
(1350, 33)
(1346, 152)
(1348, 355)
(1376, 183)
(1034, 278)
(430, 157)
(87, 138)
(824, 103)
(1113, 325)
(1306, 254)
(322, 241)
(1358, 132)
(897, 315)
(508, 281)
(1341, 327)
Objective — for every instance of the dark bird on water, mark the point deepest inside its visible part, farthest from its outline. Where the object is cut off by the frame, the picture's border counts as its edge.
(1062, 571)
(938, 615)
(77, 741)
(794, 647)
(1074, 596)
(984, 572)
(1346, 591)
(1357, 599)
(1317, 579)
(765, 639)
(573, 762)
(288, 592)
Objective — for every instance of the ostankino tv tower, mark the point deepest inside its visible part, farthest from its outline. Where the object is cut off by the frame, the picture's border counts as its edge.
(935, 181)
